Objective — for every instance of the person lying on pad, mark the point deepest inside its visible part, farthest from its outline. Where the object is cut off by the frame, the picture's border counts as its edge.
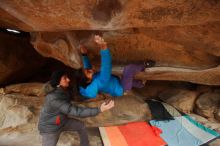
(93, 83)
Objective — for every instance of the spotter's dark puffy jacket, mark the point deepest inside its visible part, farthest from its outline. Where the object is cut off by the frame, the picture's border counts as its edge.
(57, 108)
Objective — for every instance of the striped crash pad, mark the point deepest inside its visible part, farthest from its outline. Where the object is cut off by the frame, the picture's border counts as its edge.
(132, 134)
(178, 128)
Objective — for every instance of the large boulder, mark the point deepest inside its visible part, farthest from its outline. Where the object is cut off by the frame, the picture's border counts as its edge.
(58, 45)
(19, 117)
(207, 104)
(163, 31)
(2, 91)
(139, 45)
(199, 66)
(181, 99)
(129, 108)
(217, 114)
(20, 128)
(32, 89)
(178, 34)
(215, 143)
(120, 114)
(153, 89)
(12, 114)
(106, 14)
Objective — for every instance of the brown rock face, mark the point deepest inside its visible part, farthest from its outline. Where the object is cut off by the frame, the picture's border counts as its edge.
(18, 60)
(207, 104)
(179, 98)
(199, 64)
(61, 46)
(106, 14)
(180, 34)
(217, 114)
(21, 114)
(122, 113)
(32, 89)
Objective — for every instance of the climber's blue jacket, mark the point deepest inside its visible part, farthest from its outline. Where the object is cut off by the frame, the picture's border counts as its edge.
(103, 81)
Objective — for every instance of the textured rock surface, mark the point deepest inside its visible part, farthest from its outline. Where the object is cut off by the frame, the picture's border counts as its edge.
(207, 104)
(13, 114)
(215, 143)
(217, 114)
(19, 117)
(2, 91)
(138, 111)
(180, 34)
(198, 65)
(61, 46)
(34, 89)
(121, 113)
(179, 98)
(106, 14)
(153, 89)
(18, 59)
(206, 76)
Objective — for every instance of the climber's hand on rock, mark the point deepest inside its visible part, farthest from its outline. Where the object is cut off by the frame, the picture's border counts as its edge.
(100, 41)
(106, 106)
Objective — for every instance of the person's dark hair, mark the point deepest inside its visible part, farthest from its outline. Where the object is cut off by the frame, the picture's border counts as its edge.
(82, 80)
(56, 76)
